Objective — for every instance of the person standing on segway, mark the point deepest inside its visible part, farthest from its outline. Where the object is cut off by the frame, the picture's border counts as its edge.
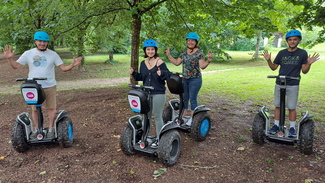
(292, 61)
(41, 62)
(193, 61)
(153, 72)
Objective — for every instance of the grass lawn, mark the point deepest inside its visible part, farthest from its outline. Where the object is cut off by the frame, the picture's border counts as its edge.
(239, 79)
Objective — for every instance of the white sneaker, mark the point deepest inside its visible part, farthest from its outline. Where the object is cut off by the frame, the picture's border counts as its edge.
(50, 133)
(189, 122)
(33, 135)
(154, 144)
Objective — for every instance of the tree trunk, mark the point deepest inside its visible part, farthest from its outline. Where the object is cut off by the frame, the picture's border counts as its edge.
(110, 56)
(258, 45)
(81, 47)
(136, 28)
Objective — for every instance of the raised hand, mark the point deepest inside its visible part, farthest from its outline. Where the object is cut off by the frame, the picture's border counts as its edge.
(8, 52)
(167, 51)
(131, 70)
(210, 56)
(159, 71)
(267, 55)
(76, 61)
(313, 58)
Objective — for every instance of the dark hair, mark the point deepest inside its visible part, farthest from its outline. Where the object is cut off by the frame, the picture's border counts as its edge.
(155, 56)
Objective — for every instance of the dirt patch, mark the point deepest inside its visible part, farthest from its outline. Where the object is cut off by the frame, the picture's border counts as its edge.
(99, 115)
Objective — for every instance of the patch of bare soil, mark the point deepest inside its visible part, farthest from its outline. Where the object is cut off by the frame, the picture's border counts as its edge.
(99, 115)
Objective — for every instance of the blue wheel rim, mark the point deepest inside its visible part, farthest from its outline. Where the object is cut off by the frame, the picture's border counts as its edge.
(70, 132)
(204, 127)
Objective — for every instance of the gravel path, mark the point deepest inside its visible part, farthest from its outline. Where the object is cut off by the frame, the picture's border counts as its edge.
(76, 84)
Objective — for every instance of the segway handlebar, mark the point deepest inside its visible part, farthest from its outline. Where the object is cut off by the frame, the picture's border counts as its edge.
(284, 77)
(141, 86)
(177, 73)
(30, 79)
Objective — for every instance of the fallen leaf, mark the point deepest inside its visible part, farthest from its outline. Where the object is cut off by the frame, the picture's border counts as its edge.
(241, 148)
(309, 180)
(159, 172)
(42, 173)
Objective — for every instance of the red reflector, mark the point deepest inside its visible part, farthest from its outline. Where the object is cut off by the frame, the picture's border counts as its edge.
(39, 136)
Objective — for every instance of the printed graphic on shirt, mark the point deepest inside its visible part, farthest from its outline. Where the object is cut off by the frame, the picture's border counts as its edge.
(290, 60)
(39, 61)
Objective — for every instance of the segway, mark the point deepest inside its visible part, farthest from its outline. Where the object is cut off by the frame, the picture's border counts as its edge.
(135, 136)
(20, 136)
(201, 122)
(305, 127)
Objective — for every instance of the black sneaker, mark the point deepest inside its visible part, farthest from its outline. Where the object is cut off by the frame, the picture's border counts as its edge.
(274, 129)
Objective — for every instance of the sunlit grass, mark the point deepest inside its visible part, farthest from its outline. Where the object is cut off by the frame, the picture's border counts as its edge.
(251, 84)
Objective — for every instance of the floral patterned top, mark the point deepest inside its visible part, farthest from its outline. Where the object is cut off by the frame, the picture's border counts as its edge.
(191, 68)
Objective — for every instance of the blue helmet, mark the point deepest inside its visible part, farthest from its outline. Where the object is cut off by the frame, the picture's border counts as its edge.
(293, 33)
(193, 35)
(42, 36)
(150, 43)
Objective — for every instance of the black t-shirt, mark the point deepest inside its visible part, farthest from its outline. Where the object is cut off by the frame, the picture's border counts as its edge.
(290, 64)
(151, 78)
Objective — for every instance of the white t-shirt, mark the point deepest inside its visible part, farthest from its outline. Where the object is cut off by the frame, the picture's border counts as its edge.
(41, 64)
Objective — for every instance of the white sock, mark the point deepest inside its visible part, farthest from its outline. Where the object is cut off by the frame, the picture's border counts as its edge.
(293, 124)
(276, 122)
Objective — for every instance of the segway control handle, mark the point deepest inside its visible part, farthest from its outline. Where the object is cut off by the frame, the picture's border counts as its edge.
(141, 86)
(30, 79)
(177, 73)
(284, 77)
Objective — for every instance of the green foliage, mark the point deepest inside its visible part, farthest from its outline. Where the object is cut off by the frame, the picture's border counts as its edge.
(312, 16)
(105, 25)
(243, 44)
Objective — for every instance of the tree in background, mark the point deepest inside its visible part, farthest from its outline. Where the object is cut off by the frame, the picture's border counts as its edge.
(312, 17)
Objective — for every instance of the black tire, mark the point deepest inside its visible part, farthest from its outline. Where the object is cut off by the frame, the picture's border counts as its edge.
(306, 135)
(18, 138)
(65, 132)
(126, 141)
(258, 130)
(167, 114)
(201, 125)
(169, 148)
